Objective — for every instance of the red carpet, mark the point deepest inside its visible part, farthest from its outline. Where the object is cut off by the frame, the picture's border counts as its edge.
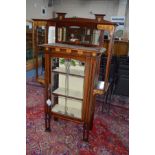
(109, 135)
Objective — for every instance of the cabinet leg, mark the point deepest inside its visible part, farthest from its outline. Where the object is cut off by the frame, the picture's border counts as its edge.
(91, 125)
(85, 132)
(110, 95)
(92, 115)
(105, 101)
(105, 105)
(47, 122)
(109, 104)
(55, 119)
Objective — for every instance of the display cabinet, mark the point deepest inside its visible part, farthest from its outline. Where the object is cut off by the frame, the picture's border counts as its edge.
(70, 75)
(40, 36)
(72, 66)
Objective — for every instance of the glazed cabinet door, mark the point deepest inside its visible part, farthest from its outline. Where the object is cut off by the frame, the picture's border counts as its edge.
(67, 87)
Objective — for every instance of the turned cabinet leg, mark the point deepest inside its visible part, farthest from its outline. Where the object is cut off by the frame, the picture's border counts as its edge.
(111, 93)
(104, 105)
(47, 122)
(107, 96)
(92, 114)
(85, 132)
(91, 125)
(106, 101)
(112, 90)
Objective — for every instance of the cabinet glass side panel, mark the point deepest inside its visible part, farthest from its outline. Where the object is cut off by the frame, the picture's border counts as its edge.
(67, 85)
(29, 41)
(40, 39)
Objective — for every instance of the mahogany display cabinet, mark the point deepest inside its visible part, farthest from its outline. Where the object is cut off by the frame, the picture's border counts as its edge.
(72, 65)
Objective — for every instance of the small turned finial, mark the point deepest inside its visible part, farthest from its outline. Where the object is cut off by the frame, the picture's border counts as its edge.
(61, 15)
(99, 17)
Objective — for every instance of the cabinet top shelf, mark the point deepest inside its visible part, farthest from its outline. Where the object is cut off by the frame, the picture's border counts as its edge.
(78, 21)
(85, 32)
(74, 47)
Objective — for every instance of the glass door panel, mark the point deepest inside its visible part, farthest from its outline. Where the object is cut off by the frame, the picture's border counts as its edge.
(67, 86)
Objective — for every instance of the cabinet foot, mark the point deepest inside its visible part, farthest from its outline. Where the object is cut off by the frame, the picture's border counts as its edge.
(47, 129)
(85, 132)
(91, 126)
(47, 122)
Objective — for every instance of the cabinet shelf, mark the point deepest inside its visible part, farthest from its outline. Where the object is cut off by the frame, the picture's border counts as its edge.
(78, 43)
(71, 93)
(73, 72)
(71, 111)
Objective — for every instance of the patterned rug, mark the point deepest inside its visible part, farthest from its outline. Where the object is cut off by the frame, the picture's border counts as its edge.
(110, 134)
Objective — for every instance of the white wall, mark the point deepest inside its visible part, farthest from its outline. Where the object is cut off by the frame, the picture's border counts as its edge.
(33, 9)
(82, 8)
(126, 32)
(79, 8)
(122, 8)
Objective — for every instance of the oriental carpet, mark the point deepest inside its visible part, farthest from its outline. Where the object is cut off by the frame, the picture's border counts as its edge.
(109, 136)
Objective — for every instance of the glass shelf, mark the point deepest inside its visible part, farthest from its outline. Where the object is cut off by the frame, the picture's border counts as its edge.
(73, 108)
(73, 72)
(71, 93)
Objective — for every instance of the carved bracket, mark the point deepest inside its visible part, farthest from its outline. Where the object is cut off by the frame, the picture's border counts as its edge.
(57, 49)
(109, 28)
(80, 52)
(98, 92)
(68, 50)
